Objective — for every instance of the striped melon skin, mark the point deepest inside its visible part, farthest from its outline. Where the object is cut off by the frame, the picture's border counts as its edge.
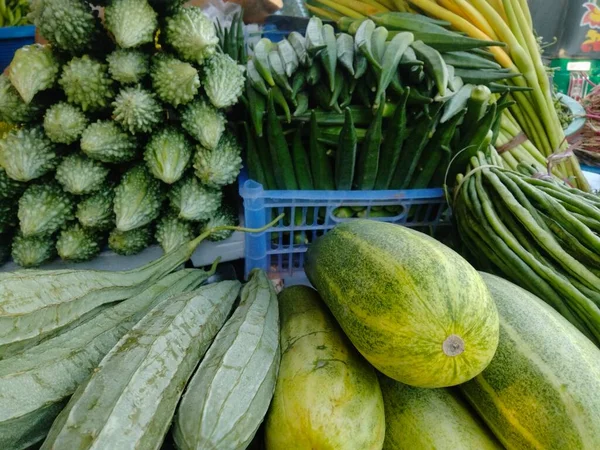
(327, 396)
(129, 401)
(236, 377)
(542, 389)
(36, 384)
(414, 308)
(417, 418)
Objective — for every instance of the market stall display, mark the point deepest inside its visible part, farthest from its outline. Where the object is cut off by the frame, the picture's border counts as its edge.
(132, 129)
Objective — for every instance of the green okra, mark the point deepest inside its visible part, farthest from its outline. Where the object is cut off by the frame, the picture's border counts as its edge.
(280, 154)
(363, 40)
(345, 52)
(255, 79)
(329, 55)
(391, 59)
(435, 65)
(301, 162)
(392, 144)
(314, 35)
(346, 154)
(288, 57)
(256, 108)
(368, 160)
(261, 60)
(298, 43)
(319, 161)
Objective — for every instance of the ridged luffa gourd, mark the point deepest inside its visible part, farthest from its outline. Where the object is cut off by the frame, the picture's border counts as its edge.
(36, 383)
(130, 399)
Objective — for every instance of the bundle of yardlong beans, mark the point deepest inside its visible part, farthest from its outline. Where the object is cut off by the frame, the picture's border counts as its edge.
(537, 232)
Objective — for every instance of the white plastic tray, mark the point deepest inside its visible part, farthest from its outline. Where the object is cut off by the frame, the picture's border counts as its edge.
(229, 250)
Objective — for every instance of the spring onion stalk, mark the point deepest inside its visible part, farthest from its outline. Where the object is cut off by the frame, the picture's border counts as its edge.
(323, 13)
(389, 4)
(476, 18)
(499, 7)
(380, 6)
(464, 25)
(341, 9)
(400, 6)
(453, 7)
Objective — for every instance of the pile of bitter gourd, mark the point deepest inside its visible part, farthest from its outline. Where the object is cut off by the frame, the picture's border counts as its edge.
(536, 231)
(369, 108)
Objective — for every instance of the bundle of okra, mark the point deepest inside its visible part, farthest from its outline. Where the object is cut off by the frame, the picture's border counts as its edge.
(377, 110)
(536, 231)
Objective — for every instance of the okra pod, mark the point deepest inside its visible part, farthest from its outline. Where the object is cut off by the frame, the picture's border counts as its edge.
(468, 60)
(368, 160)
(256, 170)
(261, 60)
(477, 105)
(329, 55)
(279, 98)
(479, 76)
(278, 72)
(314, 35)
(346, 94)
(392, 144)
(409, 58)
(298, 43)
(313, 76)
(378, 43)
(391, 59)
(339, 84)
(434, 65)
(301, 104)
(301, 162)
(346, 154)
(360, 64)
(256, 108)
(411, 153)
(436, 153)
(255, 79)
(457, 103)
(280, 153)
(373, 214)
(288, 57)
(319, 161)
(343, 212)
(345, 52)
(298, 82)
(262, 148)
(363, 40)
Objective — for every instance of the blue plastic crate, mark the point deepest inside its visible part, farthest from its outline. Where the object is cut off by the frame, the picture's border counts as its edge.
(12, 39)
(309, 214)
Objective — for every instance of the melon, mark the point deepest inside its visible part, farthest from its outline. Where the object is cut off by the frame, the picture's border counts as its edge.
(542, 389)
(414, 308)
(418, 418)
(327, 396)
